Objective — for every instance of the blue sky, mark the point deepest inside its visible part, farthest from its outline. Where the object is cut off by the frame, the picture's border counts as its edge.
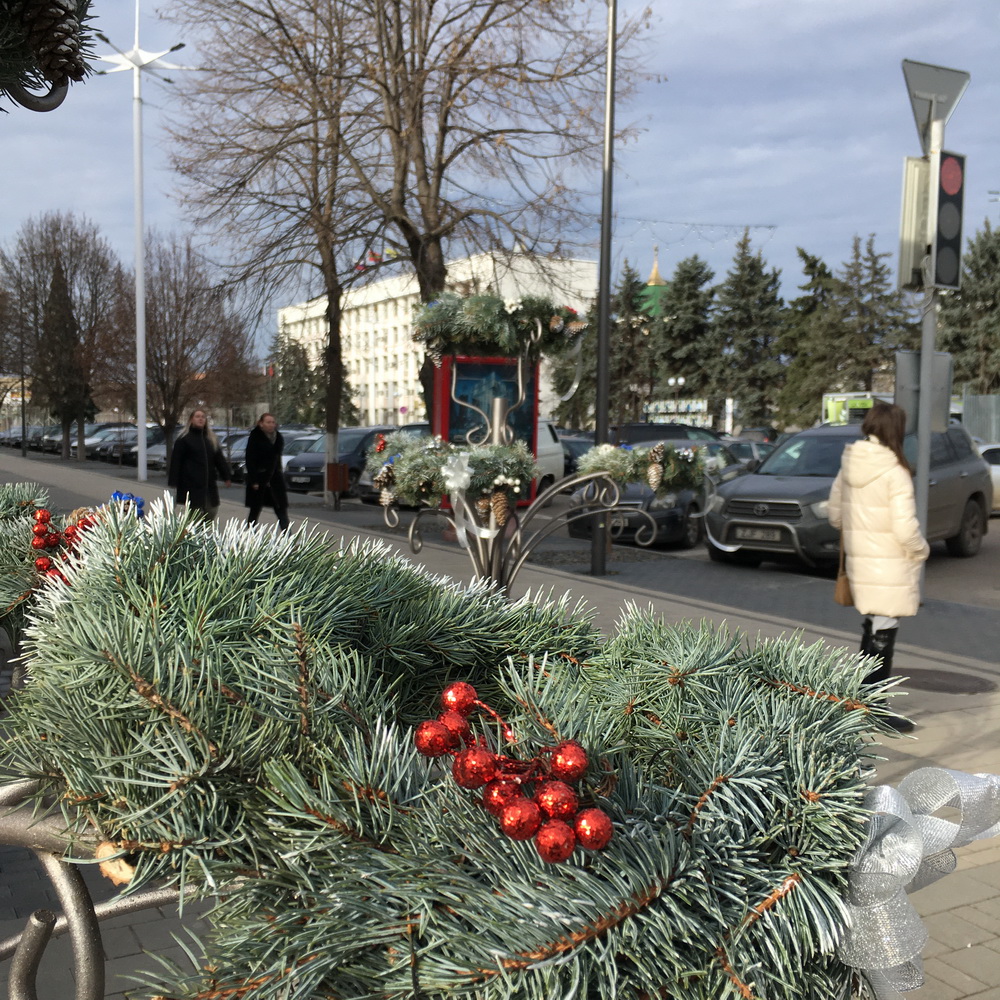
(790, 116)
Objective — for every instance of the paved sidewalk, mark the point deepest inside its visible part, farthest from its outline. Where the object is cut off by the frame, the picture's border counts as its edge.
(956, 730)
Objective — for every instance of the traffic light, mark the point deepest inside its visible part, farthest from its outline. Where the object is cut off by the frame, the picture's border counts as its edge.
(946, 243)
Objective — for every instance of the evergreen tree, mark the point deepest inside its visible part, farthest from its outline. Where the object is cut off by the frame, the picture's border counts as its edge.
(970, 319)
(805, 347)
(298, 390)
(744, 358)
(680, 334)
(632, 358)
(60, 379)
(868, 321)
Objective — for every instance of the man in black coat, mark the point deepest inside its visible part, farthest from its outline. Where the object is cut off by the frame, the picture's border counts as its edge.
(265, 483)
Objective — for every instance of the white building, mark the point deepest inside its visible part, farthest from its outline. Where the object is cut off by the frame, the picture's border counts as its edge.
(380, 356)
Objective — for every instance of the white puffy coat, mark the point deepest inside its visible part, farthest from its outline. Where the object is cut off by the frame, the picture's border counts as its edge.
(871, 501)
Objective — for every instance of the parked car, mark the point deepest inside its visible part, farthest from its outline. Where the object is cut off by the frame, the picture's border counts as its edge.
(94, 439)
(991, 452)
(780, 510)
(549, 455)
(36, 433)
(765, 435)
(748, 452)
(306, 472)
(678, 514)
(296, 446)
(573, 449)
(651, 433)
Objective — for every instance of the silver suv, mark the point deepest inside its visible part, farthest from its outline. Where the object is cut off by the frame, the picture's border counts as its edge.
(780, 509)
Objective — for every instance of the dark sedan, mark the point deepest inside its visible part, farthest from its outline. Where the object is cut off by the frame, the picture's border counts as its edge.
(677, 514)
(306, 472)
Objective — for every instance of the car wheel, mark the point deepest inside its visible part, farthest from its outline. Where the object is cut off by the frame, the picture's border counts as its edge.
(353, 477)
(692, 528)
(970, 534)
(739, 558)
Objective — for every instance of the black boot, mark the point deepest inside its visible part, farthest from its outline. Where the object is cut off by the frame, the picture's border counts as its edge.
(866, 637)
(883, 645)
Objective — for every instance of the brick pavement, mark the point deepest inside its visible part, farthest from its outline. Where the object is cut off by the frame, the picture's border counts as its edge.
(962, 911)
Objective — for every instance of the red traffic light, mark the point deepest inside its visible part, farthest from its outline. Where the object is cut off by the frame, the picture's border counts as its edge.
(947, 237)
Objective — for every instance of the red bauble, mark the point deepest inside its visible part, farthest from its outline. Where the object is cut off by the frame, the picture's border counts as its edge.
(432, 739)
(555, 841)
(43, 515)
(43, 564)
(499, 794)
(39, 530)
(38, 542)
(51, 541)
(569, 761)
(459, 697)
(456, 723)
(55, 575)
(69, 531)
(473, 768)
(557, 799)
(521, 819)
(594, 829)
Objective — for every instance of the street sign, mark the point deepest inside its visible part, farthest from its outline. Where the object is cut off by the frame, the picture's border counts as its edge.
(934, 92)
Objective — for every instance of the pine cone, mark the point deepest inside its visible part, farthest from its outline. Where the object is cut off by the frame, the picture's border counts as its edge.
(54, 38)
(501, 506)
(654, 475)
(385, 497)
(384, 478)
(656, 454)
(483, 509)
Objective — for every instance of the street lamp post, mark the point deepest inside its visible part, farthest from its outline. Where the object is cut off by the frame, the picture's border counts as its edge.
(676, 383)
(138, 60)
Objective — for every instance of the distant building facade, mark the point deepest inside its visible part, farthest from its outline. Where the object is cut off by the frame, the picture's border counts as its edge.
(383, 362)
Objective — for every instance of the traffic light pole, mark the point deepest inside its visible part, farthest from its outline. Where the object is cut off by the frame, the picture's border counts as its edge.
(928, 340)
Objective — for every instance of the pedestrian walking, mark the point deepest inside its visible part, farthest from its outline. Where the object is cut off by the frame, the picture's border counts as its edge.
(195, 465)
(265, 482)
(872, 503)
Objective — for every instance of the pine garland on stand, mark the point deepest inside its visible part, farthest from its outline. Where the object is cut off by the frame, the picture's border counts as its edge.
(234, 710)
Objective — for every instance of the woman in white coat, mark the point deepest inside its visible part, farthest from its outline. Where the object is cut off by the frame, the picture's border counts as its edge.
(872, 502)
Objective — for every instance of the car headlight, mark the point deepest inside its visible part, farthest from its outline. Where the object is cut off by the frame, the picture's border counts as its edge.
(664, 502)
(717, 503)
(821, 509)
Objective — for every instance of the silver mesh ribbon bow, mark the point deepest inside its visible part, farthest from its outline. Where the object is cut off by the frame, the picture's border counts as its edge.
(909, 847)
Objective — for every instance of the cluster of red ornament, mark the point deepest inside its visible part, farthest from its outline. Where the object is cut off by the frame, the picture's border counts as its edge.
(551, 813)
(48, 537)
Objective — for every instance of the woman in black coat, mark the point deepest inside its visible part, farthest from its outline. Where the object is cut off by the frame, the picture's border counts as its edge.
(195, 462)
(265, 482)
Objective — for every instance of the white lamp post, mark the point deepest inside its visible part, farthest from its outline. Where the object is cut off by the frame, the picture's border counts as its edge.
(137, 60)
(676, 383)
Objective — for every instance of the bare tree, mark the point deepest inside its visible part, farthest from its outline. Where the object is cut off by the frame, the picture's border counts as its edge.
(193, 334)
(94, 281)
(327, 129)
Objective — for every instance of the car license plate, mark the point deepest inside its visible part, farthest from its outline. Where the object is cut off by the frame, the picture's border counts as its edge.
(758, 534)
(299, 479)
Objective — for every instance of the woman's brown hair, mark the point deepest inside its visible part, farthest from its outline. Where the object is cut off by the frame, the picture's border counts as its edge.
(887, 422)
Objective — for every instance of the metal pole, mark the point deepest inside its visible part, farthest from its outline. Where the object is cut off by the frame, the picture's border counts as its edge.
(928, 340)
(598, 541)
(140, 272)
